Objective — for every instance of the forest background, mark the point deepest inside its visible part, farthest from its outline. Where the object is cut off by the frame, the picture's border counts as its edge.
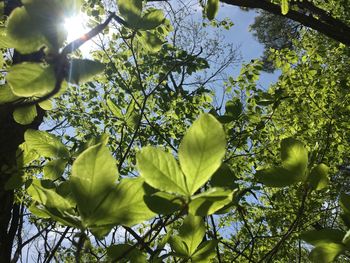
(149, 145)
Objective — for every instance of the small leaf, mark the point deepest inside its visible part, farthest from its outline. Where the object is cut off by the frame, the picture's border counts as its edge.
(126, 251)
(82, 70)
(31, 79)
(123, 205)
(114, 109)
(54, 169)
(212, 9)
(285, 7)
(209, 202)
(163, 203)
(233, 108)
(25, 115)
(179, 246)
(205, 252)
(94, 174)
(192, 232)
(130, 10)
(45, 144)
(46, 105)
(323, 236)
(6, 94)
(152, 19)
(318, 177)
(224, 177)
(345, 203)
(294, 164)
(161, 171)
(150, 41)
(326, 253)
(201, 151)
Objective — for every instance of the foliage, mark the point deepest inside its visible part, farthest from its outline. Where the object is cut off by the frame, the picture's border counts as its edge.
(143, 165)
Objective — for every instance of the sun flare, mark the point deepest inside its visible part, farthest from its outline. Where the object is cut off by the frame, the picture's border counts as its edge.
(75, 26)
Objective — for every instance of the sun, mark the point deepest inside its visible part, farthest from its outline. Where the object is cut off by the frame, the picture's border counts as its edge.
(76, 26)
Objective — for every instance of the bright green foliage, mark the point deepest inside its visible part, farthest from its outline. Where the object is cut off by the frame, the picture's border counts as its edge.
(25, 115)
(6, 94)
(319, 177)
(31, 79)
(212, 8)
(45, 144)
(294, 163)
(326, 253)
(284, 7)
(201, 151)
(94, 174)
(82, 70)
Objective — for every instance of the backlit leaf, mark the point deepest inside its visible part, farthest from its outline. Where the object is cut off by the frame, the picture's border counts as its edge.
(318, 177)
(25, 115)
(82, 70)
(201, 151)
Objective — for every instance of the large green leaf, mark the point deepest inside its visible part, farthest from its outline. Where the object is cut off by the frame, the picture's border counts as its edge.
(326, 253)
(6, 94)
(123, 205)
(201, 151)
(224, 177)
(126, 251)
(209, 202)
(45, 144)
(294, 164)
(161, 171)
(192, 232)
(130, 10)
(31, 79)
(24, 32)
(179, 246)
(82, 70)
(94, 174)
(205, 252)
(323, 236)
(163, 203)
(152, 19)
(318, 177)
(54, 169)
(25, 115)
(52, 204)
(345, 203)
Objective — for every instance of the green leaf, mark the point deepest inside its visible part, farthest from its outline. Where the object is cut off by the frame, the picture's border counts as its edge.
(25, 155)
(126, 251)
(82, 70)
(160, 170)
(294, 164)
(179, 246)
(224, 177)
(152, 19)
(294, 155)
(52, 204)
(54, 169)
(201, 151)
(205, 252)
(326, 253)
(1, 60)
(45, 144)
(323, 236)
(233, 108)
(209, 202)
(130, 10)
(114, 109)
(24, 32)
(123, 205)
(192, 232)
(6, 94)
(163, 203)
(31, 79)
(150, 41)
(46, 105)
(94, 174)
(318, 177)
(285, 7)
(345, 203)
(25, 115)
(212, 9)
